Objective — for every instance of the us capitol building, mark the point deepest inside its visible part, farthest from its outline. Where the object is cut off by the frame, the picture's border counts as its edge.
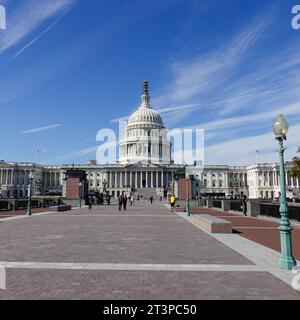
(145, 167)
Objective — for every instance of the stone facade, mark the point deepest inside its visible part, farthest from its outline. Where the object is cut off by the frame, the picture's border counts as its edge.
(256, 181)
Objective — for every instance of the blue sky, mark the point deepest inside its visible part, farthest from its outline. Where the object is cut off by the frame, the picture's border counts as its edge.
(70, 67)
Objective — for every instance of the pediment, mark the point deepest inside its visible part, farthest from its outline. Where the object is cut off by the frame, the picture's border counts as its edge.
(141, 164)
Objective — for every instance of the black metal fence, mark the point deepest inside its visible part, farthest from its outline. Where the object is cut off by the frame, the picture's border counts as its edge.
(21, 204)
(235, 205)
(217, 204)
(272, 210)
(4, 206)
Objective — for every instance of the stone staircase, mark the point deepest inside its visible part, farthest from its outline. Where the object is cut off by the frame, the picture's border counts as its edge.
(146, 193)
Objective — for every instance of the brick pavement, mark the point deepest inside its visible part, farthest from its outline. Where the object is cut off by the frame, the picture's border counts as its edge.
(262, 231)
(144, 234)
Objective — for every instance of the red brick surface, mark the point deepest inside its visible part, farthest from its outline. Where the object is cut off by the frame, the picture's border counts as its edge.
(256, 229)
(72, 188)
(142, 234)
(182, 188)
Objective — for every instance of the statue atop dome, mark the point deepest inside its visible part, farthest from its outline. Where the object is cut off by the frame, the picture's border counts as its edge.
(145, 95)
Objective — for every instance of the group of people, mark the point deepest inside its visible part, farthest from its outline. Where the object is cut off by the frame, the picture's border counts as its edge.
(123, 200)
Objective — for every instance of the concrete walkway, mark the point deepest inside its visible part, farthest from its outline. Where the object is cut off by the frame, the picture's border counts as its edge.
(143, 253)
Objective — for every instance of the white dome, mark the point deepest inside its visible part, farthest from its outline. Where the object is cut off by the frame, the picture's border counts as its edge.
(145, 117)
(145, 137)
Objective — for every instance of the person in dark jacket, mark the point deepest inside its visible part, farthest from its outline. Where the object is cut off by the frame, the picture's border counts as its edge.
(124, 202)
(120, 202)
(244, 205)
(90, 203)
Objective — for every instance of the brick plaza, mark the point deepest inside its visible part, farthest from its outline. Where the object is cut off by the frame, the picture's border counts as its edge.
(143, 253)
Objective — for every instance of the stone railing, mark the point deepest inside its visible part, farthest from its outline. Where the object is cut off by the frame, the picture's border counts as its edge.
(253, 208)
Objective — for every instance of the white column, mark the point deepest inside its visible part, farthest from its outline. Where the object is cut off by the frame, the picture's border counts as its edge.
(121, 179)
(146, 179)
(126, 179)
(141, 179)
(116, 179)
(162, 178)
(151, 179)
(268, 178)
(156, 182)
(12, 177)
(130, 179)
(136, 180)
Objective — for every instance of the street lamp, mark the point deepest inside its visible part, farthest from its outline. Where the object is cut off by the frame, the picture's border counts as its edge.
(29, 207)
(80, 185)
(187, 206)
(287, 261)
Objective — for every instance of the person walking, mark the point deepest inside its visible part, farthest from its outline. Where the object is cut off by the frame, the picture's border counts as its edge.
(131, 201)
(90, 203)
(172, 202)
(124, 202)
(151, 199)
(244, 205)
(120, 202)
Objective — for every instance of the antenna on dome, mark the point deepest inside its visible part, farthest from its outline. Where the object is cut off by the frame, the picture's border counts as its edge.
(145, 95)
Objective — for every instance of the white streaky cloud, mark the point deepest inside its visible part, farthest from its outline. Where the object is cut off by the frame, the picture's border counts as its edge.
(242, 151)
(248, 120)
(208, 71)
(28, 16)
(36, 130)
(83, 152)
(74, 155)
(30, 43)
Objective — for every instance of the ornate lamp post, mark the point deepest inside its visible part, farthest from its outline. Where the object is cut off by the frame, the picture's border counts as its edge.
(187, 206)
(80, 186)
(287, 261)
(29, 207)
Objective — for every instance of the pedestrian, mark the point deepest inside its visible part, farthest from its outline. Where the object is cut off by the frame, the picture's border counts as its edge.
(90, 203)
(131, 200)
(151, 199)
(172, 202)
(124, 202)
(244, 205)
(120, 202)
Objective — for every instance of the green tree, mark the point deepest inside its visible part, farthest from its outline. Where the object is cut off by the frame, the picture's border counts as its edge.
(295, 169)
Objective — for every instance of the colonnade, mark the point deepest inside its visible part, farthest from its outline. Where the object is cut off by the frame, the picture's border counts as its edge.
(138, 179)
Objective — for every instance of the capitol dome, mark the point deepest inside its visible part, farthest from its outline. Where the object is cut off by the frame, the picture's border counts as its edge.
(145, 136)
